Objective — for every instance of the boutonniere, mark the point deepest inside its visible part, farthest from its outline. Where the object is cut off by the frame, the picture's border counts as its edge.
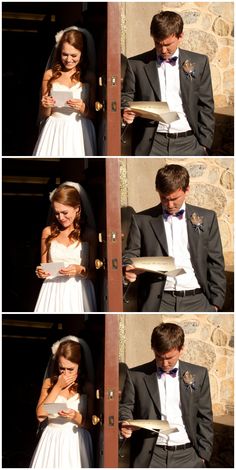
(189, 69)
(197, 222)
(189, 380)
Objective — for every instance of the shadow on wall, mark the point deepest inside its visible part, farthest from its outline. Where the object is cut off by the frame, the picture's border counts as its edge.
(229, 298)
(223, 144)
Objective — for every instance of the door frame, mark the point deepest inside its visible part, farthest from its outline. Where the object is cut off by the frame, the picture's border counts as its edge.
(113, 237)
(113, 137)
(111, 391)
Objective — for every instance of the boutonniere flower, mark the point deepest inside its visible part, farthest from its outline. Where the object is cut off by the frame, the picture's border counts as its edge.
(189, 380)
(197, 222)
(189, 69)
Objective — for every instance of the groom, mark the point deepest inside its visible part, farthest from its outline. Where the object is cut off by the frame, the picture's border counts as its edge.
(179, 77)
(189, 234)
(169, 389)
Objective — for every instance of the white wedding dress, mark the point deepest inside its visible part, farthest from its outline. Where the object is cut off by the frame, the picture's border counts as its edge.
(63, 444)
(63, 294)
(67, 133)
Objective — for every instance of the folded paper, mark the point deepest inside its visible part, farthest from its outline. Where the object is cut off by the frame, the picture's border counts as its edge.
(53, 408)
(157, 264)
(53, 268)
(154, 110)
(61, 97)
(154, 425)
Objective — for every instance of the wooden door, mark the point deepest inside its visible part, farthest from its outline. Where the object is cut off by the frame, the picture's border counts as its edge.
(109, 85)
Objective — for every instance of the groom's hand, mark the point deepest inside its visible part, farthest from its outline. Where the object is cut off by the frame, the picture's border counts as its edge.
(126, 430)
(129, 274)
(128, 116)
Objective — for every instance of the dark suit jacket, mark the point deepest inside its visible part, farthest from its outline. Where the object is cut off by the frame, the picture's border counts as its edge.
(147, 238)
(141, 83)
(141, 400)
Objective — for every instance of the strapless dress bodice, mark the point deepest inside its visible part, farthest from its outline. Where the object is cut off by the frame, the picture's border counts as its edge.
(76, 253)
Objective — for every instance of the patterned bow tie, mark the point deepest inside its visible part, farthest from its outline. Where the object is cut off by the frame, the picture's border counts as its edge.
(171, 61)
(172, 372)
(178, 214)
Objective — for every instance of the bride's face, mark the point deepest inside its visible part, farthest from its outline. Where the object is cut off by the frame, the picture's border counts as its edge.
(64, 214)
(67, 367)
(70, 56)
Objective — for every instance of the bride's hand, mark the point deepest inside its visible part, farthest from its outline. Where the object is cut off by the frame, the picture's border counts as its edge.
(66, 380)
(72, 415)
(48, 101)
(77, 105)
(41, 273)
(74, 270)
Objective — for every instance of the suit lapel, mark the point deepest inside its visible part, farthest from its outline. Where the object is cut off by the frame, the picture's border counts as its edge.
(151, 384)
(151, 72)
(157, 225)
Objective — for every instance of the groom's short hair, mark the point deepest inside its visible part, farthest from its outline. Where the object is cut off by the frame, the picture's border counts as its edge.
(170, 178)
(167, 336)
(165, 24)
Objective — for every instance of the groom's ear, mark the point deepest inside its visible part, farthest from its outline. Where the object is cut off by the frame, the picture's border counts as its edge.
(187, 191)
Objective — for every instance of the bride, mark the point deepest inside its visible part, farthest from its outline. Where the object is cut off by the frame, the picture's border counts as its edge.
(68, 96)
(65, 407)
(71, 240)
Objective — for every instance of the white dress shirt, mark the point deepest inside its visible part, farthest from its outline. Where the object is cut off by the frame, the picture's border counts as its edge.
(171, 93)
(171, 410)
(178, 247)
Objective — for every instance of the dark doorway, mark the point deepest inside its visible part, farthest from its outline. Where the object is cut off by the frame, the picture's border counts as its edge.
(28, 31)
(26, 348)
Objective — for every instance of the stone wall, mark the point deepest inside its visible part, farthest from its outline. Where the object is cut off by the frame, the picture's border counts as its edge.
(209, 342)
(211, 186)
(208, 29)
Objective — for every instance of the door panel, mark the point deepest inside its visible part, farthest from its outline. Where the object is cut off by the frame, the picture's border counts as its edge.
(109, 85)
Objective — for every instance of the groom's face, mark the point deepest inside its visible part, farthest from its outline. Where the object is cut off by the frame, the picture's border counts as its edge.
(167, 47)
(173, 202)
(168, 359)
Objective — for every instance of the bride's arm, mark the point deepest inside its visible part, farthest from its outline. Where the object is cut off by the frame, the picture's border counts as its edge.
(47, 102)
(44, 253)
